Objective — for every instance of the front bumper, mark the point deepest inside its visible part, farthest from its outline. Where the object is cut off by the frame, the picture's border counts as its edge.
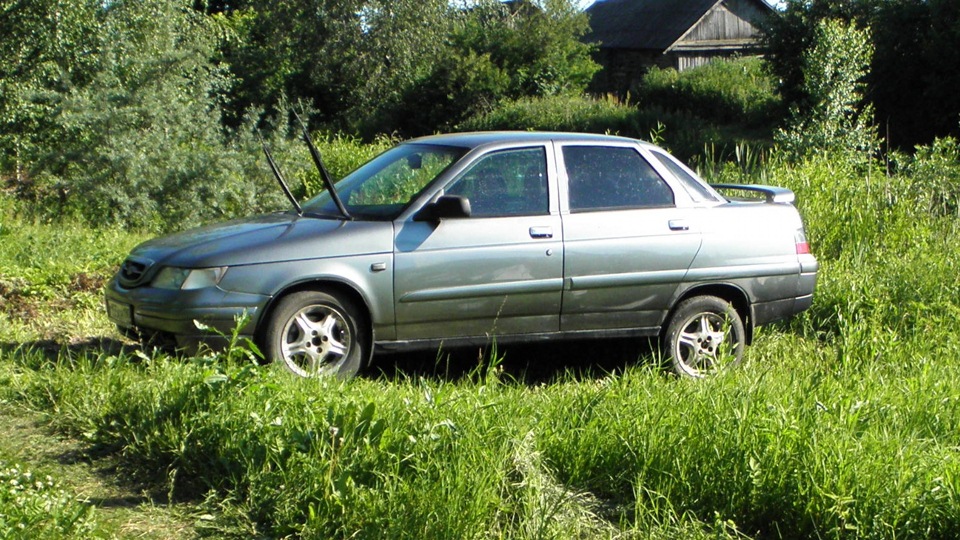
(149, 310)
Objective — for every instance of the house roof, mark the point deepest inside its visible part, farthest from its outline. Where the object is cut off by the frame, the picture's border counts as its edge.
(646, 24)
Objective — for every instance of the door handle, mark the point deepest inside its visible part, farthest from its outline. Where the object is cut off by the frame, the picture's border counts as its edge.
(541, 232)
(678, 225)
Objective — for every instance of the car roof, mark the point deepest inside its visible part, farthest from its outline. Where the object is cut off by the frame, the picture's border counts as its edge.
(482, 138)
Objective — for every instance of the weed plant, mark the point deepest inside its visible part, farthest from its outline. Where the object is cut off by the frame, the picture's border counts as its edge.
(32, 506)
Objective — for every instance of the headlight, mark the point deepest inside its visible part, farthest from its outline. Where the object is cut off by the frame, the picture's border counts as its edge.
(188, 278)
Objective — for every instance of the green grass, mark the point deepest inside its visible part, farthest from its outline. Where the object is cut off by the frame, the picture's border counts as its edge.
(804, 440)
(842, 423)
(34, 506)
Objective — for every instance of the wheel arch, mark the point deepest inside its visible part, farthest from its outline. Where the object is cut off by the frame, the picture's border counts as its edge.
(327, 285)
(737, 297)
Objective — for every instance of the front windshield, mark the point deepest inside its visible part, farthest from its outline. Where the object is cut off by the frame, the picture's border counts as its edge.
(385, 185)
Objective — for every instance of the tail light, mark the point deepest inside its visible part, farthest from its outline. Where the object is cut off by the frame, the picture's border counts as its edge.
(803, 248)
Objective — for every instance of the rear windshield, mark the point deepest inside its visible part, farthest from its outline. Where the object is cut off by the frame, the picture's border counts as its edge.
(697, 189)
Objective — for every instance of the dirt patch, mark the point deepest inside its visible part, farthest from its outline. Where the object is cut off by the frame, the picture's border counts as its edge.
(17, 301)
(88, 282)
(14, 301)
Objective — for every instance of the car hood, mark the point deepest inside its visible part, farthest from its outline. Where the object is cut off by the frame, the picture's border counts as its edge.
(267, 238)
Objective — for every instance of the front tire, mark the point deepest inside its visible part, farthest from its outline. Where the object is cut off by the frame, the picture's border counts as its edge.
(313, 333)
(705, 336)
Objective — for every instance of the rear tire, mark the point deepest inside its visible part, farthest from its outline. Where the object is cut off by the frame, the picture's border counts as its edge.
(313, 333)
(704, 337)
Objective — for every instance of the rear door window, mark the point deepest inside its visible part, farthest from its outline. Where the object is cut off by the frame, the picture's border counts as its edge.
(612, 178)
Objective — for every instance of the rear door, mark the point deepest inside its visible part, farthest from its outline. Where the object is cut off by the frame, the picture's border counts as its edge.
(498, 271)
(627, 243)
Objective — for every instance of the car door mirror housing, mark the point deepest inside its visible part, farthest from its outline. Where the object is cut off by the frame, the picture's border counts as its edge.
(446, 207)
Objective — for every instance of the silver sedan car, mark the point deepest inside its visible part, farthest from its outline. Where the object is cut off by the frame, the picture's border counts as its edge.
(468, 238)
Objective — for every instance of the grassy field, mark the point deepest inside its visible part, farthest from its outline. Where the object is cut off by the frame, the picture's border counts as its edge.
(843, 423)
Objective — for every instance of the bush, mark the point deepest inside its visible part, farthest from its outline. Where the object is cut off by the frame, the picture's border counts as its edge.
(725, 91)
(139, 142)
(683, 133)
(935, 173)
(558, 113)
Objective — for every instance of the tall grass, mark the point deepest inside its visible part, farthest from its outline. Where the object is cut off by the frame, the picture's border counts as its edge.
(806, 439)
(317, 458)
(832, 447)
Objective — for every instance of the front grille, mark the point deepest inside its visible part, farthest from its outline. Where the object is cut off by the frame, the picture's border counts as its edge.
(133, 270)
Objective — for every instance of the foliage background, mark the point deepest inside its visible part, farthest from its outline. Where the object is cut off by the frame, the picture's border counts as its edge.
(124, 118)
(913, 74)
(143, 113)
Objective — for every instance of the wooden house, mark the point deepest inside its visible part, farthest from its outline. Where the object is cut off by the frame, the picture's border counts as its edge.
(634, 35)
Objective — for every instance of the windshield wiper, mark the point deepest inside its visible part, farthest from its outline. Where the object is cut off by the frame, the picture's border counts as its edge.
(324, 175)
(278, 175)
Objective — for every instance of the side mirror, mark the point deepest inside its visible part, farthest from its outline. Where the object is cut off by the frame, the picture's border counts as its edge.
(446, 207)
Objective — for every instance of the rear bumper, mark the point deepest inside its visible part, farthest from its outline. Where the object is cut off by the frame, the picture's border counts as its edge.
(768, 312)
(777, 310)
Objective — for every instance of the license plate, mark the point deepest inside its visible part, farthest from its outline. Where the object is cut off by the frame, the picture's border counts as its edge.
(121, 314)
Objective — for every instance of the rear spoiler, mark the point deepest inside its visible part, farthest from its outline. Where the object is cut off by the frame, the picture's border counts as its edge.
(772, 194)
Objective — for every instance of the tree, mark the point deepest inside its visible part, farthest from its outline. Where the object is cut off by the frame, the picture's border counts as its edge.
(501, 51)
(834, 118)
(47, 47)
(915, 69)
(347, 58)
(537, 45)
(407, 66)
(136, 137)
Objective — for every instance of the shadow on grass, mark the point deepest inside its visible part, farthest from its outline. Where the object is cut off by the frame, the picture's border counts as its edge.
(532, 363)
(42, 352)
(528, 363)
(52, 349)
(32, 438)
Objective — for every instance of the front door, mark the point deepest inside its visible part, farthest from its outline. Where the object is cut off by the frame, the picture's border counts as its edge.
(496, 272)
